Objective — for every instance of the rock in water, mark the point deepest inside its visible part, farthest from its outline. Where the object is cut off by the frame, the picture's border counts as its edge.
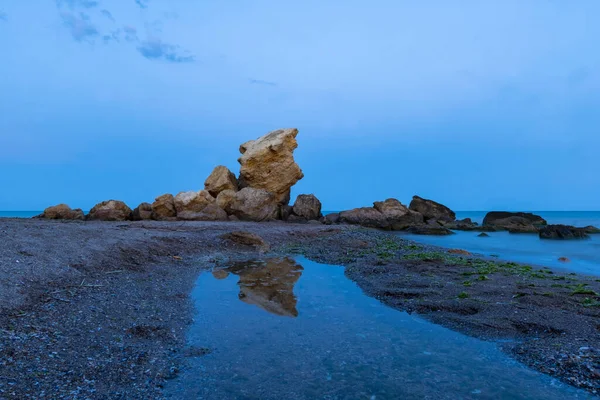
(505, 219)
(219, 180)
(307, 206)
(429, 230)
(431, 209)
(483, 234)
(62, 211)
(365, 216)
(163, 208)
(591, 229)
(142, 212)
(397, 214)
(192, 201)
(562, 232)
(251, 204)
(111, 210)
(268, 163)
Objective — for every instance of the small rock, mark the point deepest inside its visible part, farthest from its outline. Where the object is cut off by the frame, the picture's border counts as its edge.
(459, 251)
(483, 234)
(564, 259)
(219, 180)
(246, 239)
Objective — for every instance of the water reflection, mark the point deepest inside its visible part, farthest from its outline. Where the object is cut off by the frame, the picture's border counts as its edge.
(268, 284)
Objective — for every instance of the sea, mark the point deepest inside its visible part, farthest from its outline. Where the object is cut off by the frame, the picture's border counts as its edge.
(584, 255)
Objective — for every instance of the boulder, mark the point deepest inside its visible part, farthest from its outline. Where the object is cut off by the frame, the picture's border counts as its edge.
(268, 163)
(193, 202)
(62, 211)
(431, 209)
(365, 216)
(307, 206)
(523, 229)
(219, 180)
(429, 230)
(562, 232)
(504, 218)
(251, 204)
(462, 225)
(110, 210)
(211, 212)
(591, 229)
(332, 218)
(246, 239)
(163, 208)
(294, 219)
(225, 198)
(398, 216)
(285, 211)
(142, 212)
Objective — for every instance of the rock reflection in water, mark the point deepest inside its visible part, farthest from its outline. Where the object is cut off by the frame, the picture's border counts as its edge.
(268, 284)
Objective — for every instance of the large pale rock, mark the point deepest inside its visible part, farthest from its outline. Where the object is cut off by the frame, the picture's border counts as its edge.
(110, 210)
(431, 209)
(211, 212)
(268, 163)
(365, 216)
(397, 214)
(307, 206)
(192, 201)
(224, 200)
(62, 211)
(142, 212)
(163, 208)
(219, 180)
(251, 204)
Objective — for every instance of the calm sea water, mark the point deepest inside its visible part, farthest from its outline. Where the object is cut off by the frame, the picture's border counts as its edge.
(294, 329)
(19, 214)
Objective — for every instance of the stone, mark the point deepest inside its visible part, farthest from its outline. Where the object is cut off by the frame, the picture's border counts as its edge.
(564, 259)
(483, 234)
(562, 232)
(268, 163)
(62, 211)
(307, 206)
(225, 198)
(245, 238)
(365, 216)
(431, 209)
(142, 212)
(523, 229)
(499, 218)
(192, 202)
(285, 211)
(398, 216)
(591, 229)
(462, 225)
(429, 230)
(251, 204)
(220, 274)
(219, 180)
(211, 212)
(294, 219)
(163, 208)
(459, 251)
(110, 210)
(331, 218)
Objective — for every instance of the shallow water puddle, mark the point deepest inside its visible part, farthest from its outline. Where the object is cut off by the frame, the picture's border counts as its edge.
(294, 329)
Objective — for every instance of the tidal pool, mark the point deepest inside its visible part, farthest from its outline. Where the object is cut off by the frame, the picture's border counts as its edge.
(294, 329)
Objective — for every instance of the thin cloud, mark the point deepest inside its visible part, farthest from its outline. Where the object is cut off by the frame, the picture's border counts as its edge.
(78, 3)
(130, 33)
(3, 16)
(108, 15)
(79, 26)
(263, 83)
(143, 4)
(154, 49)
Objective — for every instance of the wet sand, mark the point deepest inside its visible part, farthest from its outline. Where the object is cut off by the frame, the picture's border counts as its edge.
(96, 309)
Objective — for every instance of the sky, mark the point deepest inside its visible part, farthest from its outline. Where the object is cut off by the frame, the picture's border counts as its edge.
(477, 104)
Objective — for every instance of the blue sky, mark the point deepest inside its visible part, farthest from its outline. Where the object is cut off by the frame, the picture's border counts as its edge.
(477, 104)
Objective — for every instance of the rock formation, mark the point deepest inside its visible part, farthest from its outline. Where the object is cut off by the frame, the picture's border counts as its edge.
(504, 219)
(431, 209)
(192, 202)
(211, 212)
(219, 180)
(268, 163)
(142, 212)
(62, 211)
(251, 204)
(365, 216)
(307, 207)
(110, 210)
(397, 214)
(163, 208)
(562, 232)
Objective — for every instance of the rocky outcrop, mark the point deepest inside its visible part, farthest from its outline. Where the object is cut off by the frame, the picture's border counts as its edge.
(431, 209)
(219, 180)
(163, 208)
(523, 229)
(429, 229)
(192, 202)
(268, 163)
(398, 216)
(505, 219)
(591, 230)
(62, 211)
(110, 210)
(365, 216)
(307, 206)
(332, 218)
(462, 225)
(246, 239)
(562, 232)
(251, 204)
(142, 212)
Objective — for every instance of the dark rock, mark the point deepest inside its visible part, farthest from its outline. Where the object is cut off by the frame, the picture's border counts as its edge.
(365, 216)
(431, 209)
(110, 210)
(142, 212)
(499, 218)
(523, 229)
(246, 239)
(398, 216)
(462, 225)
(62, 211)
(429, 230)
(314, 222)
(483, 234)
(285, 211)
(296, 219)
(562, 232)
(591, 229)
(331, 219)
(307, 206)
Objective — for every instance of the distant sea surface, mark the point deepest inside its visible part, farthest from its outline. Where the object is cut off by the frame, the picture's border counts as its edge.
(19, 214)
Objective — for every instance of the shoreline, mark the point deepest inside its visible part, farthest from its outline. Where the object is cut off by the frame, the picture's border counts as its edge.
(132, 280)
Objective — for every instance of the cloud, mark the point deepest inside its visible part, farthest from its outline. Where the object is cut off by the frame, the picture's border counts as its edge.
(130, 33)
(155, 49)
(78, 3)
(108, 15)
(3, 16)
(143, 4)
(261, 82)
(80, 26)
